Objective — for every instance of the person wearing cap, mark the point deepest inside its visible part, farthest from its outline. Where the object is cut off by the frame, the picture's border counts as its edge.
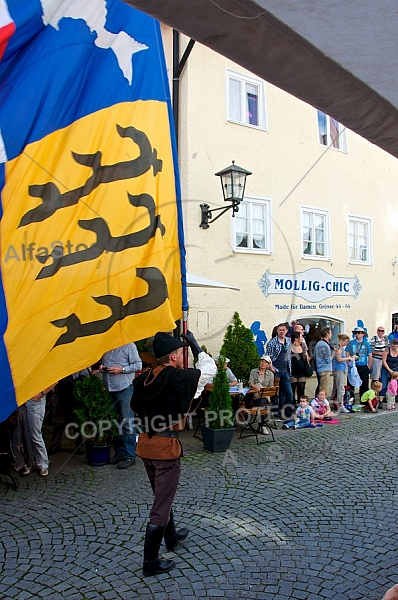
(390, 364)
(232, 380)
(163, 396)
(360, 349)
(261, 376)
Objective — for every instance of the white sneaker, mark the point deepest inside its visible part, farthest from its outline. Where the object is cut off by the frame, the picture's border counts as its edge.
(343, 409)
(265, 430)
(43, 472)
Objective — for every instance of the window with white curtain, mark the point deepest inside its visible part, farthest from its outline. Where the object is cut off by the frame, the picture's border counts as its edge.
(359, 231)
(331, 132)
(315, 233)
(252, 226)
(246, 100)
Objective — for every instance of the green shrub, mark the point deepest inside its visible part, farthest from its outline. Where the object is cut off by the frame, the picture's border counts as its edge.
(239, 347)
(94, 408)
(220, 400)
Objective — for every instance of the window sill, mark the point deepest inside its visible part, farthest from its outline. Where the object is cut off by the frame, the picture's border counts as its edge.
(313, 257)
(258, 127)
(324, 147)
(360, 262)
(251, 251)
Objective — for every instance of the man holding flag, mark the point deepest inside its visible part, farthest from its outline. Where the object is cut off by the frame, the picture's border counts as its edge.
(163, 396)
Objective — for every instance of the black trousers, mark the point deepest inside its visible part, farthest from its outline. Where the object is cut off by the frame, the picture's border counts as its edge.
(298, 389)
(363, 372)
(163, 476)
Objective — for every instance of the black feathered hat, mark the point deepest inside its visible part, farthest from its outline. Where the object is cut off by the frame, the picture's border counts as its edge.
(164, 344)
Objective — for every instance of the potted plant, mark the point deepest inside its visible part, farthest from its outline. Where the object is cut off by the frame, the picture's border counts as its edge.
(218, 429)
(96, 418)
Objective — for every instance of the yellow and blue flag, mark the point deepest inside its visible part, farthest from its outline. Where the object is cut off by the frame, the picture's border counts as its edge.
(92, 249)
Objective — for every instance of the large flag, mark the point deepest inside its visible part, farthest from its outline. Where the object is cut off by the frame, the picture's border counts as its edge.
(91, 233)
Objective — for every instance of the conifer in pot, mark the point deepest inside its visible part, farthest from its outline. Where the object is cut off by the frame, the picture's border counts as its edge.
(218, 430)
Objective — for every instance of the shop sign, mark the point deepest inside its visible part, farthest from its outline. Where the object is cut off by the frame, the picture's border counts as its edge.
(313, 285)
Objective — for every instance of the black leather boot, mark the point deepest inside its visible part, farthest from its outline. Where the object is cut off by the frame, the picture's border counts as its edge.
(171, 536)
(152, 563)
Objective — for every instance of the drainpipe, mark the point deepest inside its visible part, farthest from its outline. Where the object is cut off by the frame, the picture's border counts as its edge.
(178, 67)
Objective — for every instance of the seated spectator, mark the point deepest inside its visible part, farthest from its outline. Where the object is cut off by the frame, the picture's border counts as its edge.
(262, 376)
(321, 406)
(230, 376)
(369, 399)
(303, 417)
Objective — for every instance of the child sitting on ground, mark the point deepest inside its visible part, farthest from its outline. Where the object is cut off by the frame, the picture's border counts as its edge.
(303, 417)
(321, 406)
(369, 399)
(392, 391)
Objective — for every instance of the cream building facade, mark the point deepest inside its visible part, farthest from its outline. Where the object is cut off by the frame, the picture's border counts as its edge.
(315, 239)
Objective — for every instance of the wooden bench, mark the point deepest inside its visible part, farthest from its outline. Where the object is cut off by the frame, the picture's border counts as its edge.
(257, 419)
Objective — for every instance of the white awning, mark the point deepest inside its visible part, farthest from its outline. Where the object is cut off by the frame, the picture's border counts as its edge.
(197, 281)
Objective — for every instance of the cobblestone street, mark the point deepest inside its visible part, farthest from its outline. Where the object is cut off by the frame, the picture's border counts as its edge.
(310, 516)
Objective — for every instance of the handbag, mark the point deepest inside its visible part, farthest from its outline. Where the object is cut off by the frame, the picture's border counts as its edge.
(307, 369)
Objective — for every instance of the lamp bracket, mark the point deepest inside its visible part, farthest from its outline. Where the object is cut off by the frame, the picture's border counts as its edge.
(207, 216)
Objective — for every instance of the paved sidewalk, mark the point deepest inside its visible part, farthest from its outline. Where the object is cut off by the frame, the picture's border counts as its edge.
(311, 516)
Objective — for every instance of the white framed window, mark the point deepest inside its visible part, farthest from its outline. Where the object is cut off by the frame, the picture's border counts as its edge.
(315, 233)
(331, 132)
(359, 240)
(246, 100)
(252, 226)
